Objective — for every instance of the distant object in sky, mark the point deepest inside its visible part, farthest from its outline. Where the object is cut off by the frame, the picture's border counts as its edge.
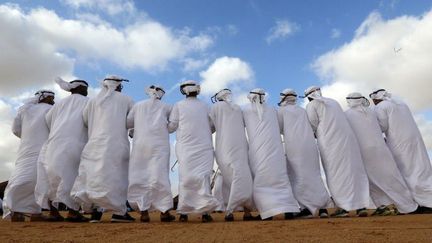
(397, 50)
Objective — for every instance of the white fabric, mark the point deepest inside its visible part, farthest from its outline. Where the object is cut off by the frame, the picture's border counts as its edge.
(191, 88)
(30, 126)
(67, 86)
(357, 100)
(408, 149)
(303, 159)
(272, 191)
(149, 185)
(103, 172)
(386, 183)
(257, 98)
(58, 166)
(220, 191)
(340, 154)
(288, 100)
(194, 150)
(153, 93)
(231, 150)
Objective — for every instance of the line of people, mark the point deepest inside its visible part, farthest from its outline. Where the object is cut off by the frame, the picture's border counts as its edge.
(77, 152)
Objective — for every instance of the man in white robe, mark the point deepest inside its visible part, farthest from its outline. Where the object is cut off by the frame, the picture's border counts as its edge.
(58, 167)
(30, 126)
(231, 152)
(149, 184)
(406, 143)
(272, 191)
(386, 183)
(102, 180)
(302, 157)
(340, 154)
(194, 149)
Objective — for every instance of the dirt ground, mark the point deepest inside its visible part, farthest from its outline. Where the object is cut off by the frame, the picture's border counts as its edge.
(406, 228)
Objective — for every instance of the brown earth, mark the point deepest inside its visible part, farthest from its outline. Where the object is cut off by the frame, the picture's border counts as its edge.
(406, 228)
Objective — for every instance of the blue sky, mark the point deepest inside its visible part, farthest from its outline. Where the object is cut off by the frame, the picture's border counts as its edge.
(344, 46)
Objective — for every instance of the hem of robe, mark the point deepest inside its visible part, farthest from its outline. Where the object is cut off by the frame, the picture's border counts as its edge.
(406, 208)
(206, 209)
(353, 206)
(422, 201)
(70, 203)
(140, 205)
(276, 211)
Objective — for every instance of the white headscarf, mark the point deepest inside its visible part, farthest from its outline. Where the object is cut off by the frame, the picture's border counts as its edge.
(68, 86)
(155, 92)
(109, 85)
(382, 94)
(257, 98)
(189, 86)
(38, 96)
(287, 97)
(223, 95)
(313, 92)
(356, 99)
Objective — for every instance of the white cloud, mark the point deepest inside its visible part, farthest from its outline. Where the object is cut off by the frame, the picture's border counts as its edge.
(282, 30)
(227, 72)
(335, 33)
(191, 64)
(111, 7)
(56, 43)
(369, 60)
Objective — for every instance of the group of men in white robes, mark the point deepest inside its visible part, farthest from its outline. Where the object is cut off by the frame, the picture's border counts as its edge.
(77, 153)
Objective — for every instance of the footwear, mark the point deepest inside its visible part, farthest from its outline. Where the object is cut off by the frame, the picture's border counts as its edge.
(229, 217)
(96, 216)
(55, 218)
(304, 214)
(362, 212)
(382, 211)
(17, 217)
(76, 217)
(167, 217)
(425, 210)
(183, 218)
(145, 218)
(115, 218)
(340, 213)
(251, 218)
(206, 218)
(323, 213)
(289, 216)
(39, 218)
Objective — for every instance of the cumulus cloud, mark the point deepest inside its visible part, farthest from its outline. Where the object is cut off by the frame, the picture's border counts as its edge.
(393, 54)
(111, 7)
(227, 72)
(282, 30)
(369, 61)
(55, 43)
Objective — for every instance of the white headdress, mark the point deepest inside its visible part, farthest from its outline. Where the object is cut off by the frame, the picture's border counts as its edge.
(257, 98)
(382, 94)
(155, 92)
(109, 85)
(357, 100)
(287, 97)
(68, 86)
(38, 96)
(189, 86)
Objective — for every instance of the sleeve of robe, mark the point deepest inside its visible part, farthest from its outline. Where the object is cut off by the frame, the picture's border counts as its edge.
(48, 117)
(168, 109)
(86, 114)
(382, 116)
(312, 116)
(17, 125)
(280, 119)
(173, 120)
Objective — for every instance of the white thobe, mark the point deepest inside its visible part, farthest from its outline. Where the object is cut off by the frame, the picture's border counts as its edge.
(340, 154)
(103, 172)
(30, 126)
(231, 151)
(149, 184)
(272, 191)
(195, 155)
(408, 149)
(302, 158)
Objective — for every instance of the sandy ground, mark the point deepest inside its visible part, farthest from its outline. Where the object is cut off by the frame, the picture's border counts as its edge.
(407, 228)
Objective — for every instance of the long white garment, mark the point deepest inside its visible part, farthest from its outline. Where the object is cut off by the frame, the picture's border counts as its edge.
(220, 191)
(59, 167)
(30, 126)
(408, 148)
(340, 154)
(103, 172)
(272, 191)
(303, 158)
(194, 150)
(231, 151)
(149, 185)
(386, 183)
